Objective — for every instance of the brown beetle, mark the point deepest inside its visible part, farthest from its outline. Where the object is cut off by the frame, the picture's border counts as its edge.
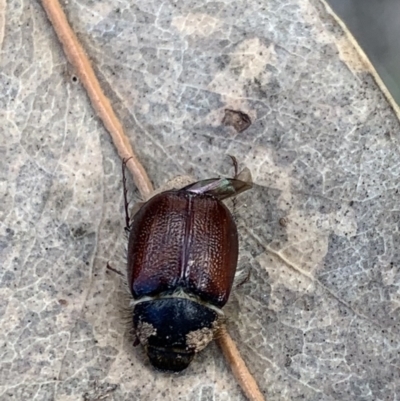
(182, 258)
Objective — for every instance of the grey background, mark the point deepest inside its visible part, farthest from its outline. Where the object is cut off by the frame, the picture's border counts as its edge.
(319, 318)
(376, 25)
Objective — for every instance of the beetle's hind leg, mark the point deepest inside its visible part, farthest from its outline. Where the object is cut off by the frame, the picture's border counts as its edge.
(109, 267)
(244, 175)
(235, 166)
(244, 280)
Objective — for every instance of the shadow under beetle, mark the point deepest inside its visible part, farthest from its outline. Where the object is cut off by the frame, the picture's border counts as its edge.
(182, 258)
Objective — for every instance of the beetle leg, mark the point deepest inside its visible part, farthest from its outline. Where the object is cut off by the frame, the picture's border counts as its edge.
(245, 280)
(136, 341)
(126, 203)
(235, 166)
(109, 267)
(243, 175)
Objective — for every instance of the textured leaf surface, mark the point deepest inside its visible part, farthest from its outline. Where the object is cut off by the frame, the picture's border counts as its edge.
(319, 317)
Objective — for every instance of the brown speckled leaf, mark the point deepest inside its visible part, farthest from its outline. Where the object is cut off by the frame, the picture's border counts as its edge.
(319, 318)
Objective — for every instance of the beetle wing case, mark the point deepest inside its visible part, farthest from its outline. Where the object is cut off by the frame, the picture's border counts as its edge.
(181, 240)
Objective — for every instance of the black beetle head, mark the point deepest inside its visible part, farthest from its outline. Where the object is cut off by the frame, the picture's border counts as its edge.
(169, 360)
(173, 330)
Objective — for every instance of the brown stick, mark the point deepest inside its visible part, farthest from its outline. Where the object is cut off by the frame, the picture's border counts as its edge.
(78, 58)
(238, 366)
(102, 105)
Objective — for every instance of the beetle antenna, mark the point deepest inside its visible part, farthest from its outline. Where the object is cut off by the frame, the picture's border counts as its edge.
(126, 203)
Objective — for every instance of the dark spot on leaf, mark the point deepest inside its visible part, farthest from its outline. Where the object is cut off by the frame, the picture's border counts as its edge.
(238, 120)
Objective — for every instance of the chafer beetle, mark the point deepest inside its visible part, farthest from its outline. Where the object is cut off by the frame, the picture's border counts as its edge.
(182, 258)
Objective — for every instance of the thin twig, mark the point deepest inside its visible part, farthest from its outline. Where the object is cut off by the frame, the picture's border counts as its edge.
(78, 58)
(238, 366)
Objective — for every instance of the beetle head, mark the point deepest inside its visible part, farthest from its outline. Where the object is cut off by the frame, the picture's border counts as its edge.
(173, 330)
(174, 360)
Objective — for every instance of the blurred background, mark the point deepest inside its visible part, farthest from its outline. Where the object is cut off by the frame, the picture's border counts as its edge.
(376, 26)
